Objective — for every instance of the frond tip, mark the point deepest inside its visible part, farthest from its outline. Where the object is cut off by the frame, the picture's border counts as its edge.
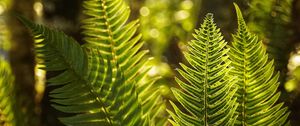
(257, 80)
(208, 89)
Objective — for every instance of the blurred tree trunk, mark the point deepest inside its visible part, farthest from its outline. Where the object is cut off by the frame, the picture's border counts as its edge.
(22, 61)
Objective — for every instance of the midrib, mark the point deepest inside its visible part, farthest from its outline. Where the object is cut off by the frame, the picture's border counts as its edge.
(244, 87)
(206, 83)
(109, 31)
(82, 79)
(112, 43)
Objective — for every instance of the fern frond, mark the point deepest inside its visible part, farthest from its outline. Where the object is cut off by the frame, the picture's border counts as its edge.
(257, 80)
(208, 89)
(116, 102)
(90, 88)
(8, 115)
(271, 20)
(107, 30)
(56, 51)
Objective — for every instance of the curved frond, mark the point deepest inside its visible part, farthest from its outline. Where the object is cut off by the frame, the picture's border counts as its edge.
(93, 89)
(208, 90)
(106, 29)
(257, 80)
(271, 21)
(116, 103)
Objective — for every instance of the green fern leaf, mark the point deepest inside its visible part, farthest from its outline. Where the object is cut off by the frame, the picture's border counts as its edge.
(107, 30)
(208, 92)
(88, 87)
(117, 102)
(271, 20)
(257, 80)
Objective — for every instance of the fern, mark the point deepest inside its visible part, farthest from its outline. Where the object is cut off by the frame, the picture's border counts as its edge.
(257, 80)
(271, 20)
(107, 30)
(103, 81)
(208, 90)
(86, 86)
(99, 91)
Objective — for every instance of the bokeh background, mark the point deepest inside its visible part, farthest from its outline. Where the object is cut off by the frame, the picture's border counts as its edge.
(166, 26)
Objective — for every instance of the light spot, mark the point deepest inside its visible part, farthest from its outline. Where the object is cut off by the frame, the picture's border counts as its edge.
(154, 33)
(164, 90)
(1, 9)
(40, 73)
(181, 15)
(296, 59)
(290, 85)
(187, 4)
(144, 11)
(38, 8)
(153, 71)
(40, 80)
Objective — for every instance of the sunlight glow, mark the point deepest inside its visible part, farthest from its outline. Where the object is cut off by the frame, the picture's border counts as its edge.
(153, 71)
(144, 11)
(181, 15)
(187, 4)
(1, 9)
(154, 33)
(294, 62)
(40, 80)
(38, 8)
(290, 85)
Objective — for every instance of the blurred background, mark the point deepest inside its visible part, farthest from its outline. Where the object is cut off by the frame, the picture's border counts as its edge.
(167, 26)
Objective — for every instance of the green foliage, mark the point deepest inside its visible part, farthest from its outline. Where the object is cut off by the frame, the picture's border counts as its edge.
(208, 90)
(8, 115)
(257, 80)
(106, 29)
(165, 22)
(93, 93)
(99, 91)
(105, 82)
(271, 20)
